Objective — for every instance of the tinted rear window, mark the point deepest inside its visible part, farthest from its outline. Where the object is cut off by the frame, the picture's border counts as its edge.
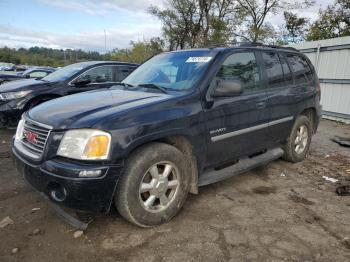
(301, 69)
(273, 69)
(288, 78)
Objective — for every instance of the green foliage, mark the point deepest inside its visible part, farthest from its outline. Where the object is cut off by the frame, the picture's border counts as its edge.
(139, 51)
(41, 56)
(332, 22)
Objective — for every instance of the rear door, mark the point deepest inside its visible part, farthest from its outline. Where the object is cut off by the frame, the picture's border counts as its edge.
(237, 126)
(280, 91)
(305, 82)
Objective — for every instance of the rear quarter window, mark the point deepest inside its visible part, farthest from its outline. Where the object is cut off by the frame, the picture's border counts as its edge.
(301, 69)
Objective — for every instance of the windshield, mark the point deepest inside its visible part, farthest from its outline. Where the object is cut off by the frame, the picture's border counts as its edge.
(172, 71)
(64, 73)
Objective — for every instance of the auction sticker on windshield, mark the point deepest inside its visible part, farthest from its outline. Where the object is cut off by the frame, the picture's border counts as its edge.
(198, 59)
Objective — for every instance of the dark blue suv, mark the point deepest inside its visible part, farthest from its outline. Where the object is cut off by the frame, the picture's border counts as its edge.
(181, 120)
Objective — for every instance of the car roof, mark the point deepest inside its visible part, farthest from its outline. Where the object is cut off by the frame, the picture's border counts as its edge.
(91, 63)
(257, 46)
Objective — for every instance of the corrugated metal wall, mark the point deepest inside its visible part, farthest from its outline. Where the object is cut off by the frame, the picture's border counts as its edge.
(331, 59)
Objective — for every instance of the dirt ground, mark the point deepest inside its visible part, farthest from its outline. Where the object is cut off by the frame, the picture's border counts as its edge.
(280, 212)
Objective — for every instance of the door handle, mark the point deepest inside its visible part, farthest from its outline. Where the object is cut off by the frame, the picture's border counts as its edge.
(260, 105)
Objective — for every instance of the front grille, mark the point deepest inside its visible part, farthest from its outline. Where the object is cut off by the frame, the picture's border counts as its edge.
(34, 137)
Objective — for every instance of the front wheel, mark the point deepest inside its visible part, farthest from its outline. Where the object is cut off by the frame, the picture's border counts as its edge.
(299, 141)
(154, 185)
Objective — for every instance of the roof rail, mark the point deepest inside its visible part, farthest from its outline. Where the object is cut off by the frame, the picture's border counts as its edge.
(258, 44)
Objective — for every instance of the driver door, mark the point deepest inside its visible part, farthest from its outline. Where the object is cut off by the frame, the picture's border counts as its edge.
(97, 77)
(237, 125)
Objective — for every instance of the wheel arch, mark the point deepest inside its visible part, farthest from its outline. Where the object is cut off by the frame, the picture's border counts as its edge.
(44, 97)
(311, 114)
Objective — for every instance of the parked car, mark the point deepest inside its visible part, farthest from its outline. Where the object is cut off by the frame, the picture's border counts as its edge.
(7, 66)
(19, 96)
(181, 120)
(36, 72)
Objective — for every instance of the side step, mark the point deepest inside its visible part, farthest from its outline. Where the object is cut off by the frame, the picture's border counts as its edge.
(244, 165)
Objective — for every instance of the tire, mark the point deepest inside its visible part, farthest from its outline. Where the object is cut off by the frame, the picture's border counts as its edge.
(145, 205)
(291, 151)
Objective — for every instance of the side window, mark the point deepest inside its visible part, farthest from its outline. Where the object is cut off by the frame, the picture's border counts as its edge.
(243, 67)
(273, 69)
(37, 74)
(100, 74)
(124, 71)
(288, 78)
(301, 69)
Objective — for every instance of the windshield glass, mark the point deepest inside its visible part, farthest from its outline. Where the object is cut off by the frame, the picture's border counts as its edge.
(172, 71)
(64, 73)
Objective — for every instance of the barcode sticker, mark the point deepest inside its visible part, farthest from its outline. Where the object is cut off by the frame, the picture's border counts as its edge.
(198, 59)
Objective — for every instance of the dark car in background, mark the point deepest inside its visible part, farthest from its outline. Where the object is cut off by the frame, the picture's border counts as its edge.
(18, 96)
(36, 72)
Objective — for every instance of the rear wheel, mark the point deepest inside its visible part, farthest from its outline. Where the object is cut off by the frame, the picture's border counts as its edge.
(299, 140)
(154, 185)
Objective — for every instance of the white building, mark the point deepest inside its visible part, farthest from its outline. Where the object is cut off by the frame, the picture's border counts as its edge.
(331, 59)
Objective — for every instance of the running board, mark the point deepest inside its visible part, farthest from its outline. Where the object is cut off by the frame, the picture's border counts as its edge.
(244, 165)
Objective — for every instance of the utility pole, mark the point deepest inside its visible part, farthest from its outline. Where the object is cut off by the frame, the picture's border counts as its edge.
(64, 56)
(105, 43)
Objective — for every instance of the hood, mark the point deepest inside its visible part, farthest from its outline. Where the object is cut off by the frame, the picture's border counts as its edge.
(86, 109)
(20, 85)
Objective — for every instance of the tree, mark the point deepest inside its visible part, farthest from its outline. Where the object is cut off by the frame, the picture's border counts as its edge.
(194, 23)
(332, 22)
(139, 52)
(41, 56)
(252, 13)
(295, 28)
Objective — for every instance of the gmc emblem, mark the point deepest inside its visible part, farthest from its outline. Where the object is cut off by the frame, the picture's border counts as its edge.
(30, 136)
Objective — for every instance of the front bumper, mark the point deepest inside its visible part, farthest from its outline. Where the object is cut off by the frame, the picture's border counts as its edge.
(55, 180)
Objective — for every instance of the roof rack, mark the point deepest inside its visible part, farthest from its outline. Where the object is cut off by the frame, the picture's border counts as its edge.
(257, 44)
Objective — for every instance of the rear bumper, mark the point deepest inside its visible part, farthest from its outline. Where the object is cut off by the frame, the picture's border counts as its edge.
(55, 181)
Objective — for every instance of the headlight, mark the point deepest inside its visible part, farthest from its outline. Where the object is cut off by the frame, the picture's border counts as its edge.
(85, 144)
(19, 132)
(14, 95)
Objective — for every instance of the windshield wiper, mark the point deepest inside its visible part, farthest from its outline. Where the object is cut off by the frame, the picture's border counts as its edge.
(123, 84)
(153, 86)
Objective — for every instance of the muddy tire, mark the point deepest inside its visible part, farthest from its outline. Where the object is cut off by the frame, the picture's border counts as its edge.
(298, 143)
(154, 185)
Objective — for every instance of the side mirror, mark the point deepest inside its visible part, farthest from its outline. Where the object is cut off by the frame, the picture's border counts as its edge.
(81, 82)
(227, 88)
(27, 76)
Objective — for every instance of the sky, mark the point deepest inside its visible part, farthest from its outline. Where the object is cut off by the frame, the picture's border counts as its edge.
(80, 24)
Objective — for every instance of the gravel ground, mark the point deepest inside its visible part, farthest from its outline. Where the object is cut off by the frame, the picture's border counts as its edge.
(279, 212)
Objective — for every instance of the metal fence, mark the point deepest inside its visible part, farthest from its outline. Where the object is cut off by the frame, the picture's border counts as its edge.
(331, 59)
